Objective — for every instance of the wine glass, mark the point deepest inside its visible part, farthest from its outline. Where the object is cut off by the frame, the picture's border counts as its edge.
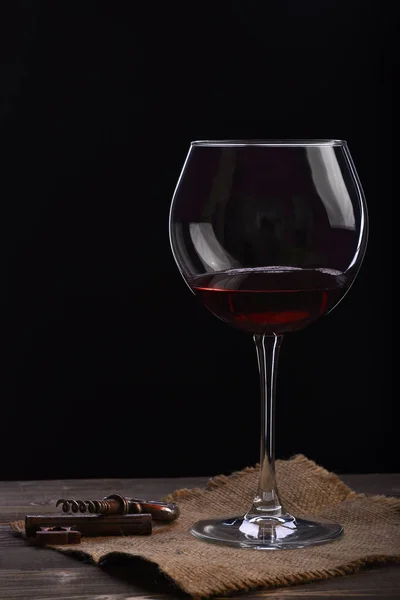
(269, 236)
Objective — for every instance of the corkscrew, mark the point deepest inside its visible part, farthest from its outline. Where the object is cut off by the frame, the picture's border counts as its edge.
(116, 504)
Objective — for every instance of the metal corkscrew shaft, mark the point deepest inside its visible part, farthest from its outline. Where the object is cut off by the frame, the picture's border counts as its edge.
(116, 504)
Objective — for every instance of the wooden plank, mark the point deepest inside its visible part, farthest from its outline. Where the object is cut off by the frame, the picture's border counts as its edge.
(56, 584)
(21, 497)
(28, 572)
(387, 484)
(33, 572)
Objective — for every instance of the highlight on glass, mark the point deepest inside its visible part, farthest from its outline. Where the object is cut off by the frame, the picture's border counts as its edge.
(269, 235)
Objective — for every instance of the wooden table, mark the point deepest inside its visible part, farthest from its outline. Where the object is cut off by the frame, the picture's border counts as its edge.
(32, 573)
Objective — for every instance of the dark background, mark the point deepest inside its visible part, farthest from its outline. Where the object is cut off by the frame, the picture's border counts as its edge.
(110, 368)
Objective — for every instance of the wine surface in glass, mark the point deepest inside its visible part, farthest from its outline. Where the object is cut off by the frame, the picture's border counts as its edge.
(270, 300)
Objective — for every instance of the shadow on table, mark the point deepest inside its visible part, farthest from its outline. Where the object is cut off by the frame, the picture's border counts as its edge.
(146, 578)
(140, 573)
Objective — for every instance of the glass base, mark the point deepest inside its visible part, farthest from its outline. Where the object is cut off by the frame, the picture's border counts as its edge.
(263, 533)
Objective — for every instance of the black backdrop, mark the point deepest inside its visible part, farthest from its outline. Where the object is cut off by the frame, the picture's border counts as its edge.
(110, 368)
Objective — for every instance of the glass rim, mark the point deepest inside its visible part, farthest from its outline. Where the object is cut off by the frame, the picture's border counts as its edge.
(271, 143)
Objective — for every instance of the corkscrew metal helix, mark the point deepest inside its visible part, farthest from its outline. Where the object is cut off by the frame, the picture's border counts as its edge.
(116, 504)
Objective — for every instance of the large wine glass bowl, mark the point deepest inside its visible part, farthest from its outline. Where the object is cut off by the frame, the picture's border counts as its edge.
(269, 236)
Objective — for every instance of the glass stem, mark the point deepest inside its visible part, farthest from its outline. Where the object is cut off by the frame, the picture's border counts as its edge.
(266, 502)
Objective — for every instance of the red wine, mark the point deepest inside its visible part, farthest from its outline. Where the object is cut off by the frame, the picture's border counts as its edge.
(270, 299)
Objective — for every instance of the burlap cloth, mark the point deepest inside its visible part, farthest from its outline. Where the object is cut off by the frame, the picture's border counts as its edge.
(201, 569)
